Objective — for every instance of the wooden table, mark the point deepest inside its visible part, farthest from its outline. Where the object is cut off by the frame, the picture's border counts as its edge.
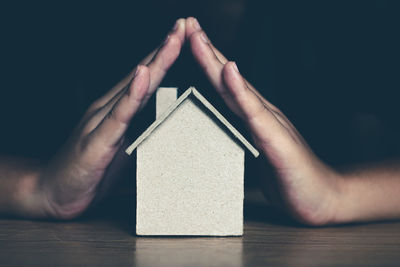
(103, 238)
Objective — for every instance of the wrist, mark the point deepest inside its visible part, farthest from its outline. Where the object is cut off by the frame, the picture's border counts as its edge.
(29, 197)
(338, 206)
(348, 204)
(331, 204)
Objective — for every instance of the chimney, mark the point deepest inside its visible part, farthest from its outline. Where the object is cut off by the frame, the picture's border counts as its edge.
(165, 96)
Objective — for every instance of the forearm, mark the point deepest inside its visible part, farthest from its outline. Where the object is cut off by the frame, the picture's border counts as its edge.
(369, 194)
(20, 193)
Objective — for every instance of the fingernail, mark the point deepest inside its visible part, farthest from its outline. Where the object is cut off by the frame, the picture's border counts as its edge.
(196, 24)
(235, 66)
(204, 38)
(166, 40)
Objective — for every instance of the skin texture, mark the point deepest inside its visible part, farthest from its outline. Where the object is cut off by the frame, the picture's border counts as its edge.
(302, 185)
(66, 186)
(302, 181)
(84, 161)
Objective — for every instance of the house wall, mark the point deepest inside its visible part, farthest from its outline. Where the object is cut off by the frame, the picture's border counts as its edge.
(190, 177)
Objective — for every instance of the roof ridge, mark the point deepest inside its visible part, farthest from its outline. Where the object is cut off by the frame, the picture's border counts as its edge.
(192, 91)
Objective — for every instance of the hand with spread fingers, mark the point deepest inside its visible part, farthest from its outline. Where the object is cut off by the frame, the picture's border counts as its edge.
(65, 187)
(305, 187)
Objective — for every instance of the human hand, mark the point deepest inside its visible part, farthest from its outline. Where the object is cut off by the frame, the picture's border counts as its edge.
(303, 185)
(71, 180)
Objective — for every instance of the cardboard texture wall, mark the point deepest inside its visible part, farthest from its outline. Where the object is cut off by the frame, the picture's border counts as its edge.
(190, 170)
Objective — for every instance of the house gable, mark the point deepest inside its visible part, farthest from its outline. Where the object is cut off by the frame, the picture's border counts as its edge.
(214, 112)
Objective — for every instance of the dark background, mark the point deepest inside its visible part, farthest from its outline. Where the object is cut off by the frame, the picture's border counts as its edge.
(331, 66)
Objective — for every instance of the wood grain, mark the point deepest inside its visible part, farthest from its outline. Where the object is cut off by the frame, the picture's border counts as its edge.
(103, 238)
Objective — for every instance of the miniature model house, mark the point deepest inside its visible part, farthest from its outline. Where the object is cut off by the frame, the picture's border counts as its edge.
(190, 169)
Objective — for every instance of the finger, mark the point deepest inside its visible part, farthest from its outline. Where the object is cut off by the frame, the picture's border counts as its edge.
(211, 66)
(177, 31)
(219, 55)
(260, 119)
(124, 83)
(165, 57)
(155, 62)
(113, 126)
(93, 121)
(192, 26)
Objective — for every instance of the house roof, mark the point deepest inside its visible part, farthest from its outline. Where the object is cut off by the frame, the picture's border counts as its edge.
(189, 92)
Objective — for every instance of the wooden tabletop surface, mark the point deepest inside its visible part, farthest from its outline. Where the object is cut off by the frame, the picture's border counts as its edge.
(103, 237)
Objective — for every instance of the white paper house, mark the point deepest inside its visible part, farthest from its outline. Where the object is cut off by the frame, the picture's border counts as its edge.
(190, 169)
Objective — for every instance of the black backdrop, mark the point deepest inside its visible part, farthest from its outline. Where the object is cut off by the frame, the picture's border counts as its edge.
(331, 66)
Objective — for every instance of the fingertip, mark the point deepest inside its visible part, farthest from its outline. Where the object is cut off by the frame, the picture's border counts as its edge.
(177, 32)
(192, 25)
(231, 66)
(165, 56)
(232, 77)
(179, 29)
(178, 24)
